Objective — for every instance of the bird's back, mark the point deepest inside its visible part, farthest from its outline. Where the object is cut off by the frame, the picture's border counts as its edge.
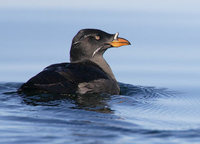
(71, 78)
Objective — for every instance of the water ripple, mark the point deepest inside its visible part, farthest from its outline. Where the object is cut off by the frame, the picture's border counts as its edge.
(141, 114)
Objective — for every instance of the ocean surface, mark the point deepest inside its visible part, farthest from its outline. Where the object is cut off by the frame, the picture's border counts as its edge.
(159, 77)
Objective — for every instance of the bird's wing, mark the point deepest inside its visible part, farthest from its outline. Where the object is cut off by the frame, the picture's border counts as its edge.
(64, 77)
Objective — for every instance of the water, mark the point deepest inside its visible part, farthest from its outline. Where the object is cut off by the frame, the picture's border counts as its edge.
(160, 71)
(140, 115)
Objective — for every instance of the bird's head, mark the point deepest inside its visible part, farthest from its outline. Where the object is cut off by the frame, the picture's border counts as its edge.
(91, 43)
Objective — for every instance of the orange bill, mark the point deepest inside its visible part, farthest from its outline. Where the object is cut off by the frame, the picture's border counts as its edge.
(119, 42)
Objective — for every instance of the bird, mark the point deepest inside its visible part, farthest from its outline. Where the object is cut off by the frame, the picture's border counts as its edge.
(86, 73)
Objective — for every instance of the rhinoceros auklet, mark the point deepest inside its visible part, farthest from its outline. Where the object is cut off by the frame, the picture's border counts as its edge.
(87, 72)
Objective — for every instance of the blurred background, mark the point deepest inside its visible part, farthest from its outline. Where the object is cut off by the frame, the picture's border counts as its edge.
(165, 50)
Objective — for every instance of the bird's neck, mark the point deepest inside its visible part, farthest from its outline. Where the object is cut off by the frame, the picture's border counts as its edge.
(100, 61)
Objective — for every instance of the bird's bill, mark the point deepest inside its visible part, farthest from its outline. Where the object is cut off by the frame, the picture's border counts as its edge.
(119, 42)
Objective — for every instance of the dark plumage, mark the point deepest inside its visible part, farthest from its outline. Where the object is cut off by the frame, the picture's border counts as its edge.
(87, 72)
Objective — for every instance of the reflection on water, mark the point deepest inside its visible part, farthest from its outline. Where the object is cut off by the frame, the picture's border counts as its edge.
(89, 102)
(140, 114)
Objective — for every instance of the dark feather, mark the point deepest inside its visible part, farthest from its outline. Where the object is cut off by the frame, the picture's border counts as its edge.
(67, 78)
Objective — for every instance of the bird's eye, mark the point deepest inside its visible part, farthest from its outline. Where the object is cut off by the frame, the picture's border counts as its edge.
(97, 37)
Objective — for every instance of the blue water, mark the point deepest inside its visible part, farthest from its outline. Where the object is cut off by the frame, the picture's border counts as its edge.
(139, 115)
(159, 75)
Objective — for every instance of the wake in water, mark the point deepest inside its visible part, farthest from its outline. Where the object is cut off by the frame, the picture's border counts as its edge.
(158, 114)
(94, 102)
